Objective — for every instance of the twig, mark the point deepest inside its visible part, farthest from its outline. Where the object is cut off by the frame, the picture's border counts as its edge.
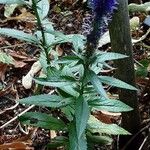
(13, 119)
(146, 127)
(143, 143)
(12, 46)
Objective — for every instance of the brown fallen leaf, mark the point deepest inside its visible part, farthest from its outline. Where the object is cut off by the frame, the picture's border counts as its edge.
(16, 146)
(107, 117)
(17, 55)
(20, 59)
(19, 64)
(25, 16)
(59, 50)
(3, 69)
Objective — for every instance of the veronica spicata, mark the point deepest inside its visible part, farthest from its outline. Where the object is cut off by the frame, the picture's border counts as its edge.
(102, 11)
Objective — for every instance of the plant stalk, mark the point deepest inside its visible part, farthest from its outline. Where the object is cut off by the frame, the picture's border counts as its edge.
(39, 24)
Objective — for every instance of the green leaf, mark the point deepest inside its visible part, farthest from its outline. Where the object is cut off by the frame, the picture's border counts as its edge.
(82, 115)
(60, 37)
(42, 120)
(68, 90)
(74, 142)
(78, 42)
(141, 72)
(100, 140)
(60, 83)
(58, 141)
(43, 8)
(109, 56)
(50, 38)
(96, 83)
(96, 126)
(9, 9)
(77, 39)
(12, 1)
(69, 112)
(68, 60)
(116, 82)
(1, 86)
(72, 69)
(6, 59)
(46, 100)
(20, 35)
(109, 105)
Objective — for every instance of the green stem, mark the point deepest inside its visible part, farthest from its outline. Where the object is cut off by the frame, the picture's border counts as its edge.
(39, 24)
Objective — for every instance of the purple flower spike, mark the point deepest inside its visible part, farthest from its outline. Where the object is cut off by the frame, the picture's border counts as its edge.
(102, 7)
(102, 10)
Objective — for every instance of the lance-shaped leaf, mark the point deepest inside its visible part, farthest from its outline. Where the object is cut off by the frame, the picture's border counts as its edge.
(58, 142)
(46, 100)
(4, 58)
(96, 83)
(20, 35)
(109, 56)
(109, 105)
(42, 120)
(96, 126)
(82, 115)
(12, 2)
(100, 140)
(74, 142)
(43, 8)
(59, 83)
(116, 82)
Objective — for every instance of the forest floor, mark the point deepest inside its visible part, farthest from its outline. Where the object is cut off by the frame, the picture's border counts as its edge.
(67, 16)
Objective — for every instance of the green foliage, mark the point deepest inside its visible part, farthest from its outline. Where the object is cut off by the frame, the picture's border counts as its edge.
(139, 7)
(59, 83)
(77, 82)
(59, 141)
(42, 120)
(115, 82)
(105, 56)
(96, 83)
(9, 9)
(6, 59)
(110, 105)
(12, 1)
(53, 101)
(82, 115)
(75, 142)
(97, 139)
(43, 8)
(20, 35)
(142, 69)
(96, 126)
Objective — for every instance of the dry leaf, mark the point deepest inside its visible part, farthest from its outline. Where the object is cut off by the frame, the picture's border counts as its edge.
(59, 50)
(15, 146)
(107, 117)
(19, 64)
(3, 68)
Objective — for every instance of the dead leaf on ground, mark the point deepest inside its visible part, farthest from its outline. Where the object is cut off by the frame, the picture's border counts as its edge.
(18, 55)
(21, 56)
(16, 146)
(59, 50)
(107, 117)
(3, 69)
(6, 90)
(19, 64)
